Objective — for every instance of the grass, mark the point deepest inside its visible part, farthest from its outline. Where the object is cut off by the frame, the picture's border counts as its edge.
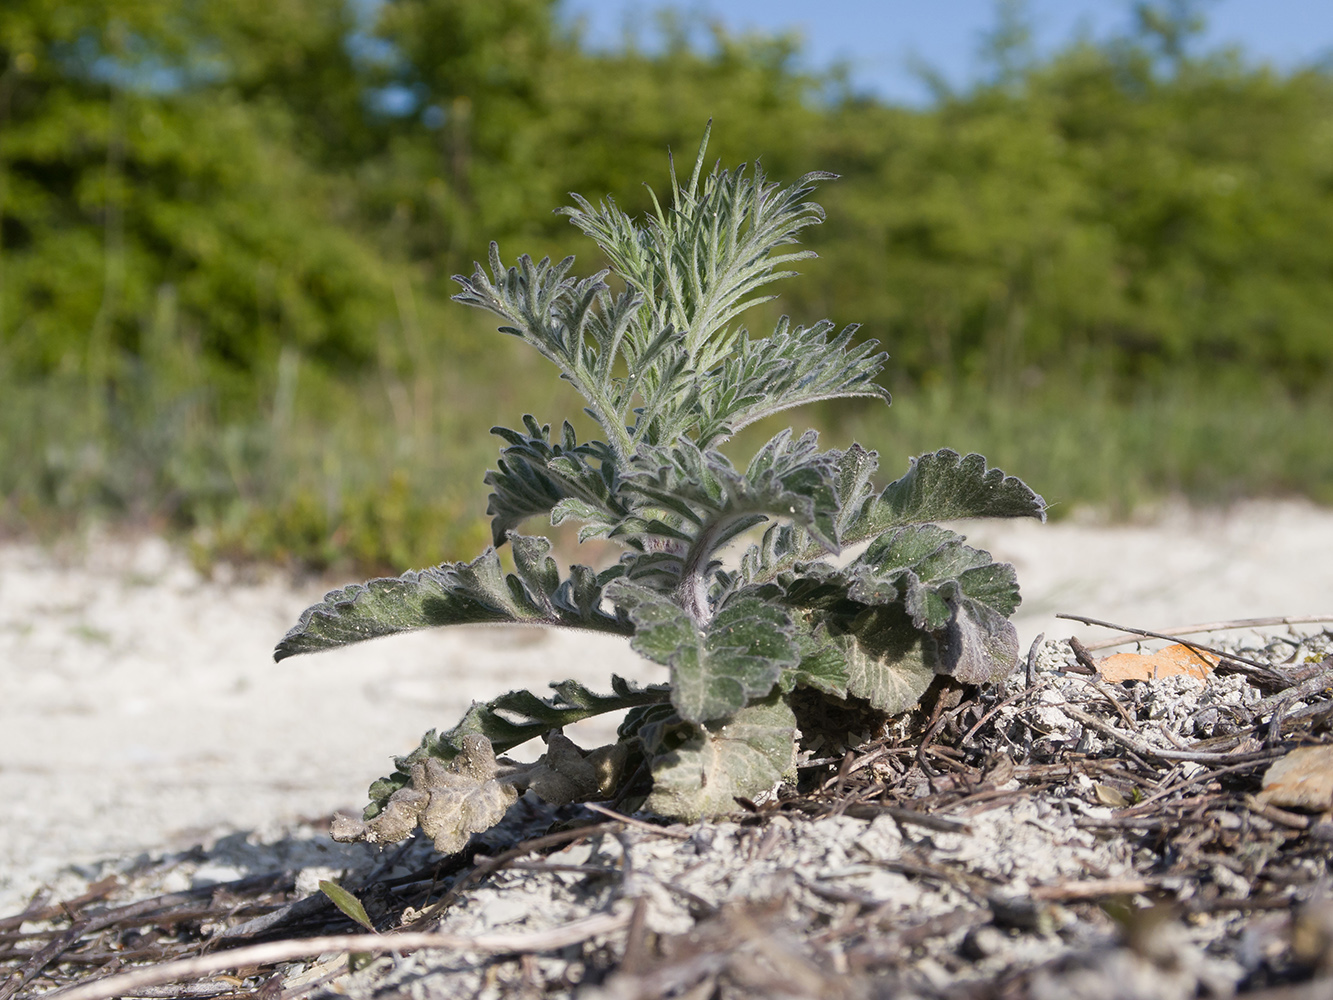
(1081, 445)
(385, 473)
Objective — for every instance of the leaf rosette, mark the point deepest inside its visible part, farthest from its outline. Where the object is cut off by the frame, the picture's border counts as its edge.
(669, 376)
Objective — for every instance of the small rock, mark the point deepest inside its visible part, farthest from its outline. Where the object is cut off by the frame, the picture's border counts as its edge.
(982, 942)
(1303, 779)
(1018, 913)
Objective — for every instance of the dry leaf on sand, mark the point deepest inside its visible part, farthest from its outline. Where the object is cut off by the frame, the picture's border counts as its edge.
(1172, 660)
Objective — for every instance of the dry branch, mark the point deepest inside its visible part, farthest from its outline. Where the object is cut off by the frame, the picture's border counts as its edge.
(377, 944)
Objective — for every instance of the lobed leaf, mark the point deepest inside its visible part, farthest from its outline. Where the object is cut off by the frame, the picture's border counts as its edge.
(824, 665)
(716, 667)
(928, 568)
(700, 771)
(889, 661)
(916, 603)
(783, 546)
(946, 486)
(711, 502)
(697, 265)
(456, 594)
(788, 368)
(513, 719)
(450, 801)
(536, 477)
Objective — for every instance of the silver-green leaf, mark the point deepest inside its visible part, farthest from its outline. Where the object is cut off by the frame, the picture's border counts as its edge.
(455, 594)
(946, 486)
(700, 771)
(719, 666)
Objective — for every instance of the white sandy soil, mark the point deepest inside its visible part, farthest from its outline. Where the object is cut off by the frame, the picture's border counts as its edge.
(140, 709)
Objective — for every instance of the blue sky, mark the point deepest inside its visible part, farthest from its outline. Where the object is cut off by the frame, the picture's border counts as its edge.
(881, 38)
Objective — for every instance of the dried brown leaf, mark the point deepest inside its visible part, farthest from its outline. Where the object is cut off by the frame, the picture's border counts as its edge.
(450, 801)
(566, 773)
(1177, 659)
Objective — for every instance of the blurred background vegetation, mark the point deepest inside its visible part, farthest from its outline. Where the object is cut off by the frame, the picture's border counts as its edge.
(227, 231)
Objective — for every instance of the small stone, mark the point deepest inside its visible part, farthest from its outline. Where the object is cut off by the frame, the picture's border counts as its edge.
(1018, 913)
(1303, 779)
(982, 942)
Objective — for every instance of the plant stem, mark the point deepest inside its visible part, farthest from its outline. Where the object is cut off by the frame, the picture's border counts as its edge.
(692, 592)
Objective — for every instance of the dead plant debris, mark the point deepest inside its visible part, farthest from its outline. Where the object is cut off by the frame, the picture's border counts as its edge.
(1061, 834)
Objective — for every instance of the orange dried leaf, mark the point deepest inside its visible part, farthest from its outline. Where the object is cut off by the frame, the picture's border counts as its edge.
(1172, 660)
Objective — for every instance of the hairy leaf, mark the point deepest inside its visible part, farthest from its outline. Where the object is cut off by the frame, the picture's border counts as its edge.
(717, 667)
(558, 316)
(697, 264)
(789, 368)
(856, 469)
(699, 771)
(512, 719)
(824, 664)
(709, 501)
(785, 545)
(451, 801)
(888, 663)
(954, 594)
(456, 594)
(915, 603)
(977, 646)
(944, 486)
(930, 570)
(535, 477)
(567, 773)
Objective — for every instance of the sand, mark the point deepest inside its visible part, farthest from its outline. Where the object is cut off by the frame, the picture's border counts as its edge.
(140, 710)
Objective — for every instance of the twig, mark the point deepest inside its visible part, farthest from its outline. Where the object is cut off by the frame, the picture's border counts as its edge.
(156, 909)
(997, 707)
(843, 767)
(287, 951)
(1098, 685)
(52, 951)
(1315, 989)
(1139, 747)
(631, 821)
(198, 990)
(1172, 633)
(904, 817)
(1197, 647)
(36, 911)
(1131, 812)
(1314, 684)
(306, 906)
(1273, 814)
(1086, 664)
(1096, 889)
(890, 948)
(1197, 779)
(911, 817)
(1033, 650)
(1309, 712)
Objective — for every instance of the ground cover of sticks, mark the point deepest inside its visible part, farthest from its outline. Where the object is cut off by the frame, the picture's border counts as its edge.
(1059, 835)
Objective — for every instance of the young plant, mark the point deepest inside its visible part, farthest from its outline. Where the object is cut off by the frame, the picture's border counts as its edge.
(669, 375)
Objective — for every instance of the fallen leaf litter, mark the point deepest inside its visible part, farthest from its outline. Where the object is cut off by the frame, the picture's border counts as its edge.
(1061, 835)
